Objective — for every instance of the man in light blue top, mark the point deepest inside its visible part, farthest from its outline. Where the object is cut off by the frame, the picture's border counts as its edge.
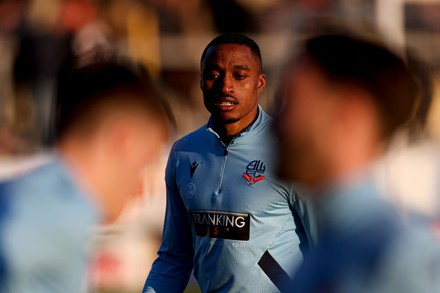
(110, 123)
(228, 216)
(344, 97)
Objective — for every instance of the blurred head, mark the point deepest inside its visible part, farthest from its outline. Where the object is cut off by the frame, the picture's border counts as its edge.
(232, 79)
(111, 122)
(343, 99)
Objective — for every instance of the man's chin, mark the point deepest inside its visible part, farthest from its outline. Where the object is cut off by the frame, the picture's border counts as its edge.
(225, 118)
(293, 167)
(286, 173)
(297, 176)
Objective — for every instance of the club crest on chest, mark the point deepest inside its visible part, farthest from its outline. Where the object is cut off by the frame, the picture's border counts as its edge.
(254, 172)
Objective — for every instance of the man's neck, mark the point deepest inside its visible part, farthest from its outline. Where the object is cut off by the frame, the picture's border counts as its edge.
(227, 131)
(348, 167)
(83, 170)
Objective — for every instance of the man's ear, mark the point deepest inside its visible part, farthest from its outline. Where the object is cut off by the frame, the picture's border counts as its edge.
(119, 136)
(261, 82)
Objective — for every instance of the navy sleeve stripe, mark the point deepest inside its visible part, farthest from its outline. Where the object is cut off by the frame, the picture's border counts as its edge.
(274, 271)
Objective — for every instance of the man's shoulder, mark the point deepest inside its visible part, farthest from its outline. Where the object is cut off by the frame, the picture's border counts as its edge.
(41, 177)
(28, 179)
(193, 139)
(50, 183)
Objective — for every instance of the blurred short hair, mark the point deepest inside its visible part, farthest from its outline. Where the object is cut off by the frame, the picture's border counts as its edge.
(84, 91)
(234, 39)
(349, 59)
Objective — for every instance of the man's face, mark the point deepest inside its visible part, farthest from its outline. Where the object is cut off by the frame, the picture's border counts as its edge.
(231, 81)
(148, 141)
(141, 141)
(305, 125)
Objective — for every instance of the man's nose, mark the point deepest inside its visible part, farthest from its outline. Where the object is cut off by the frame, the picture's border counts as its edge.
(226, 84)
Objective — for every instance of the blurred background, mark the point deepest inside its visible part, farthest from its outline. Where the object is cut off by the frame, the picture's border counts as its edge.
(168, 36)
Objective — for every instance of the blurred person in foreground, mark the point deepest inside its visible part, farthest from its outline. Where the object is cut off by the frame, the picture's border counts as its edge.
(344, 98)
(111, 122)
(228, 216)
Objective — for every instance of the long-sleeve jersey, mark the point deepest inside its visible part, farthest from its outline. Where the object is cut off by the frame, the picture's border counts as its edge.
(46, 224)
(228, 216)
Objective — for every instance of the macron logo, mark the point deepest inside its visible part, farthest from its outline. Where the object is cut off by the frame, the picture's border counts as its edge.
(192, 168)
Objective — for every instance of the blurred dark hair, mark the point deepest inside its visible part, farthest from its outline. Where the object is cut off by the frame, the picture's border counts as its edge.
(83, 89)
(423, 74)
(349, 59)
(235, 39)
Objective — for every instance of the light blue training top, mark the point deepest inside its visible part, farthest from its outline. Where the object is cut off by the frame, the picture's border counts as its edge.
(364, 245)
(45, 231)
(228, 216)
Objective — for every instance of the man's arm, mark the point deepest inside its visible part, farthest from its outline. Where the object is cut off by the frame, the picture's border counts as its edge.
(171, 270)
(303, 216)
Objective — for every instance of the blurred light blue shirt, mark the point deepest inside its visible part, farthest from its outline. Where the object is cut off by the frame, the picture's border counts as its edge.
(364, 245)
(46, 223)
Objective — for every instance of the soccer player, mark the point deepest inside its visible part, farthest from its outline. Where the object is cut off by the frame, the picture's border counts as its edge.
(228, 216)
(111, 123)
(344, 97)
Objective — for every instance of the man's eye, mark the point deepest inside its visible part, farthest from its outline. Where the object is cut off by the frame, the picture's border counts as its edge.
(239, 76)
(211, 76)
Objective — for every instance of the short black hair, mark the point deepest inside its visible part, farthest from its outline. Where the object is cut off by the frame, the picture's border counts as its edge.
(351, 59)
(235, 39)
(82, 90)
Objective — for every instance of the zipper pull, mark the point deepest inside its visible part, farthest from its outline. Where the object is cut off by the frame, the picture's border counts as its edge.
(226, 151)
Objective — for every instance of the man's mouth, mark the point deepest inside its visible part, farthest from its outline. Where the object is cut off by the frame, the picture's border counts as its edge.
(224, 104)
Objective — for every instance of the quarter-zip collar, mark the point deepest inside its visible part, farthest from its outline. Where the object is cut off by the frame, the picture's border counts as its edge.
(258, 125)
(260, 122)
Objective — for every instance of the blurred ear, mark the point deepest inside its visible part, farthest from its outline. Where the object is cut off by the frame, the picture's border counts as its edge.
(261, 83)
(119, 135)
